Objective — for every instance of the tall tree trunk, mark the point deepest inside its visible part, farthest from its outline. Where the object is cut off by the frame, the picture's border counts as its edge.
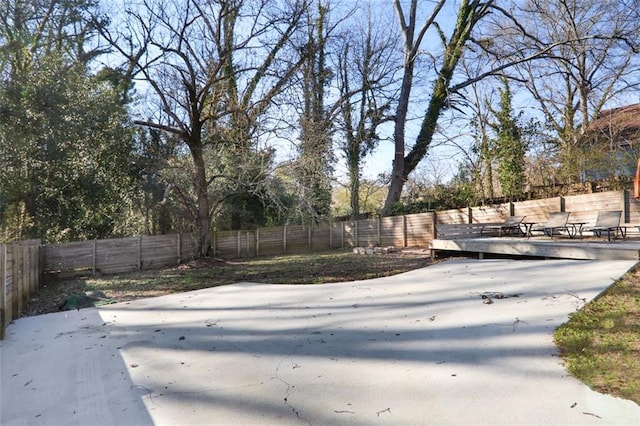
(397, 174)
(468, 15)
(203, 219)
(411, 44)
(353, 159)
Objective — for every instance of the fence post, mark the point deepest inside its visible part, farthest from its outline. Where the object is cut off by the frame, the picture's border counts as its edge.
(139, 253)
(330, 235)
(379, 237)
(238, 245)
(357, 233)
(433, 225)
(32, 281)
(16, 288)
(404, 231)
(257, 242)
(42, 262)
(179, 247)
(626, 216)
(284, 239)
(309, 237)
(342, 234)
(23, 285)
(3, 288)
(93, 258)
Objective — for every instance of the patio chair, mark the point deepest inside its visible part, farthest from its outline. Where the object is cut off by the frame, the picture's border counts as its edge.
(512, 223)
(556, 222)
(609, 222)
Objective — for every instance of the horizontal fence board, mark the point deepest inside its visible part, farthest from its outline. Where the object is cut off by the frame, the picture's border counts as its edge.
(392, 231)
(419, 229)
(350, 234)
(321, 238)
(68, 256)
(270, 241)
(114, 256)
(633, 213)
(585, 207)
(594, 202)
(453, 216)
(226, 242)
(336, 235)
(297, 239)
(367, 232)
(158, 251)
(188, 246)
(491, 213)
(459, 230)
(537, 210)
(249, 239)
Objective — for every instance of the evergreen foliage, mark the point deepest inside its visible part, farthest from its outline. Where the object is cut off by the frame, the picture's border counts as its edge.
(510, 147)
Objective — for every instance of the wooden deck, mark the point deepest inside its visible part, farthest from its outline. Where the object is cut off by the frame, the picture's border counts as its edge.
(545, 247)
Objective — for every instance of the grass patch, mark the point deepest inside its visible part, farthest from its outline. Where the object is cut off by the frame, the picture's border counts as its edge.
(600, 344)
(312, 268)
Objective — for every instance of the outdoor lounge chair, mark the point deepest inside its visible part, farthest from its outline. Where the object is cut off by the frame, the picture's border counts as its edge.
(512, 223)
(556, 222)
(609, 222)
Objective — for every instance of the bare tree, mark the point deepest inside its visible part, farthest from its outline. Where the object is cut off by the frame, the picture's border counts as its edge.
(469, 14)
(366, 71)
(213, 69)
(592, 62)
(598, 39)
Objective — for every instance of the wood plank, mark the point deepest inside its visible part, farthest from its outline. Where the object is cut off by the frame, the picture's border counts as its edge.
(367, 233)
(575, 249)
(420, 229)
(490, 213)
(391, 230)
(458, 230)
(453, 216)
(537, 210)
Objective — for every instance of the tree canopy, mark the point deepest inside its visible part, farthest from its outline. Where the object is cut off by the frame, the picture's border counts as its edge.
(119, 118)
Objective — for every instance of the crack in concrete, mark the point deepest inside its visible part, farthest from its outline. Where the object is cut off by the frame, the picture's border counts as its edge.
(289, 388)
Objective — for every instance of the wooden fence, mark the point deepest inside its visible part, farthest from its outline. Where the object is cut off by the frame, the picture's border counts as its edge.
(399, 231)
(19, 278)
(148, 252)
(583, 208)
(117, 255)
(416, 229)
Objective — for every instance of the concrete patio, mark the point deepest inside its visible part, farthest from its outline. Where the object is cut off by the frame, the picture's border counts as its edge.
(416, 348)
